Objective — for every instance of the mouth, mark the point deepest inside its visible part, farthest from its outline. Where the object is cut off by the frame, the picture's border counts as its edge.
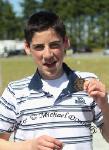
(50, 64)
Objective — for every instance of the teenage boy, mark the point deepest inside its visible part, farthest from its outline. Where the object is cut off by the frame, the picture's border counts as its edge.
(56, 105)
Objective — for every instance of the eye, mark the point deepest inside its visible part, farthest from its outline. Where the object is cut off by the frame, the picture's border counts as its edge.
(54, 45)
(38, 47)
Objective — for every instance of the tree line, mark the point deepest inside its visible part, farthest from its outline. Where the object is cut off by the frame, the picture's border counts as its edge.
(87, 21)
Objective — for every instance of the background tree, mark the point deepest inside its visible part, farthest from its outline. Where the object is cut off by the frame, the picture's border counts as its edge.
(87, 21)
(7, 20)
(1, 19)
(29, 7)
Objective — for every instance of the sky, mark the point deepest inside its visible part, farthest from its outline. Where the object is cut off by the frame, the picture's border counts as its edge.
(16, 6)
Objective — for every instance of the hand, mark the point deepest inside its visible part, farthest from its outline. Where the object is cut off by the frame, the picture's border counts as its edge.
(41, 143)
(46, 143)
(97, 90)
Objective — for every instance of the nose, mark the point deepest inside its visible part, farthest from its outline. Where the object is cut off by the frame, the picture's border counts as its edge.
(47, 53)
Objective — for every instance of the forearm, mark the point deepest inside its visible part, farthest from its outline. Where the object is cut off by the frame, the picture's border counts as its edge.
(42, 142)
(105, 127)
(8, 145)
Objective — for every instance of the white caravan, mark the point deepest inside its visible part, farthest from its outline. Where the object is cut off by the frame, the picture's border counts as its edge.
(11, 47)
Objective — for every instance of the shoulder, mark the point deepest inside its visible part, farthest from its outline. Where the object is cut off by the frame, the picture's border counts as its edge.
(18, 87)
(20, 83)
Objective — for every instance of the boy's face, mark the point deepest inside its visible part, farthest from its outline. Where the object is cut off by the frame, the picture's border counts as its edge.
(47, 49)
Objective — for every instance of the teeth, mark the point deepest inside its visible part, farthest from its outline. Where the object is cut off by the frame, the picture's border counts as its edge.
(50, 63)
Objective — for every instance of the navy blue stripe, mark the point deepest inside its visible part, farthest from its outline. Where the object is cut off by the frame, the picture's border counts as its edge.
(42, 110)
(4, 131)
(51, 127)
(6, 119)
(22, 81)
(76, 142)
(23, 99)
(83, 123)
(75, 137)
(69, 140)
(10, 90)
(98, 116)
(9, 105)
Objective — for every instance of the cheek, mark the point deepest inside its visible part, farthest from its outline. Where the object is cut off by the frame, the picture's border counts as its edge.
(37, 56)
(59, 52)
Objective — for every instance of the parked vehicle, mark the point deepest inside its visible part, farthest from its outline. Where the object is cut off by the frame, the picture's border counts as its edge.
(11, 47)
(106, 51)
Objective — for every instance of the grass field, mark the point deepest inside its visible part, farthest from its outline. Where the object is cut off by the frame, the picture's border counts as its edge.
(14, 68)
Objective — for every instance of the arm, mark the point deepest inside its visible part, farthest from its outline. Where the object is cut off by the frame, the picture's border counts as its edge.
(6, 145)
(105, 128)
(8, 111)
(41, 143)
(97, 90)
(5, 136)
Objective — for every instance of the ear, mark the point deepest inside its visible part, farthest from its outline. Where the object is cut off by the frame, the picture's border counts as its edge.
(66, 43)
(27, 48)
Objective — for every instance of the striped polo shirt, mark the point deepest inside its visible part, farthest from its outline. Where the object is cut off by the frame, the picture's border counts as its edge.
(29, 111)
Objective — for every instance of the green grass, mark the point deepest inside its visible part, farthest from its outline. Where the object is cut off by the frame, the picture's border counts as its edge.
(18, 67)
(15, 68)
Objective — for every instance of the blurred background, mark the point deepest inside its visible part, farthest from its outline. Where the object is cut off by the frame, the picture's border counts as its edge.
(87, 23)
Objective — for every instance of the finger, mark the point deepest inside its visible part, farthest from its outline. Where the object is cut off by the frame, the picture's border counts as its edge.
(96, 86)
(50, 145)
(97, 94)
(58, 143)
(86, 84)
(44, 148)
(54, 141)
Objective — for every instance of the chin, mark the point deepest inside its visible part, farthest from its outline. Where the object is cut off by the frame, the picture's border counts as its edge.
(50, 75)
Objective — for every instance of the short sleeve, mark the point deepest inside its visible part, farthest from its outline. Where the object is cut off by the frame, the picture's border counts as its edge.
(98, 116)
(8, 111)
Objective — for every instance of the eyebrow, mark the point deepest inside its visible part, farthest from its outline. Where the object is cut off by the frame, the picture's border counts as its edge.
(39, 44)
(55, 42)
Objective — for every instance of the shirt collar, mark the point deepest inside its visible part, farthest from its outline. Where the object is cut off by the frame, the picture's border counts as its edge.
(36, 83)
